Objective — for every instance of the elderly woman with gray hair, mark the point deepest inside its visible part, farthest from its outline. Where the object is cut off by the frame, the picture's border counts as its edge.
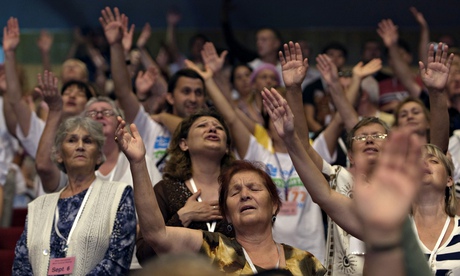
(77, 230)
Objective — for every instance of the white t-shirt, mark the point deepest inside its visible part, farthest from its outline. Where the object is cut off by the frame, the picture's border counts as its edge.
(339, 260)
(303, 228)
(30, 143)
(155, 136)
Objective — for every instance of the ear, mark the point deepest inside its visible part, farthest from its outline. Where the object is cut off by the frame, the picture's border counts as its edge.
(170, 98)
(183, 145)
(350, 157)
(99, 160)
(59, 158)
(450, 181)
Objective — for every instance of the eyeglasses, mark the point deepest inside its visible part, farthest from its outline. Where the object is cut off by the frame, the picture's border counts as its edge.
(106, 113)
(373, 136)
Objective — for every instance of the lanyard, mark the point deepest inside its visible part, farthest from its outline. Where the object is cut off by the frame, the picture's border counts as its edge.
(283, 176)
(211, 226)
(74, 224)
(431, 260)
(251, 264)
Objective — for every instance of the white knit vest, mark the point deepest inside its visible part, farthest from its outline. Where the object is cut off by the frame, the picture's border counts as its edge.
(91, 237)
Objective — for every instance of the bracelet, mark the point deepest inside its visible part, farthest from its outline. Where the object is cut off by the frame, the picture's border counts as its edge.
(383, 247)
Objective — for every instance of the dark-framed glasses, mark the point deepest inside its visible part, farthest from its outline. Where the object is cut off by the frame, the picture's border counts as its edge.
(105, 113)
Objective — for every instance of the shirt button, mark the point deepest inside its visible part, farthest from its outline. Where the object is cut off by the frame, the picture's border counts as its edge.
(45, 252)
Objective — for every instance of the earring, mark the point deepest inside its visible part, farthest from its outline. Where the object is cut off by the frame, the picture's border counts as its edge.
(273, 218)
(229, 227)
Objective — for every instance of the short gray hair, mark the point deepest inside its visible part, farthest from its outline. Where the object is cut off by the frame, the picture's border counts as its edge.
(93, 128)
(116, 110)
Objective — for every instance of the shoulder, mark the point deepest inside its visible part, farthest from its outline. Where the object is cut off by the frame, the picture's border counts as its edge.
(302, 262)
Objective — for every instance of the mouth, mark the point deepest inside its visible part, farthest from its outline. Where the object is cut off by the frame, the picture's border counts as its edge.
(246, 208)
(371, 150)
(213, 137)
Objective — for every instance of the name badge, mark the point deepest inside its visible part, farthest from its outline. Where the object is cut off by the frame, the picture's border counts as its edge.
(61, 266)
(289, 208)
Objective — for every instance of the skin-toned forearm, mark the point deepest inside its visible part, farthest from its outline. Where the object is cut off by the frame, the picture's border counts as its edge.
(439, 120)
(170, 121)
(240, 133)
(46, 169)
(403, 71)
(337, 206)
(332, 133)
(13, 90)
(122, 82)
(10, 118)
(344, 105)
(150, 218)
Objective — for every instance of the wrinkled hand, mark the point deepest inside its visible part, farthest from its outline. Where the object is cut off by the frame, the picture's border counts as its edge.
(144, 36)
(211, 59)
(128, 33)
(294, 66)
(388, 31)
(48, 89)
(146, 80)
(194, 210)
(45, 41)
(112, 24)
(279, 111)
(384, 201)
(327, 69)
(11, 35)
(436, 72)
(418, 16)
(206, 75)
(368, 69)
(131, 144)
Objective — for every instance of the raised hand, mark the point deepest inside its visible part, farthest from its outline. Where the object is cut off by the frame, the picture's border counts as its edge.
(112, 24)
(144, 36)
(204, 74)
(145, 81)
(173, 17)
(418, 16)
(128, 33)
(48, 89)
(436, 72)
(11, 35)
(130, 143)
(383, 201)
(45, 41)
(327, 69)
(388, 31)
(368, 69)
(211, 59)
(279, 111)
(294, 66)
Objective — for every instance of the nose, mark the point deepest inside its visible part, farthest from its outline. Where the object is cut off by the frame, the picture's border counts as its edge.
(213, 129)
(80, 145)
(192, 97)
(245, 195)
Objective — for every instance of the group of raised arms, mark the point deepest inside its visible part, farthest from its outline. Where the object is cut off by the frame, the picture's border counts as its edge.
(263, 166)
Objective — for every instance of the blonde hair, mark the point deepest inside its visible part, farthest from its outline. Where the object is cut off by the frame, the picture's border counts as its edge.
(450, 198)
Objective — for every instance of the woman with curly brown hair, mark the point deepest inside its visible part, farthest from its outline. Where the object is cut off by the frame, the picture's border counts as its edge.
(188, 193)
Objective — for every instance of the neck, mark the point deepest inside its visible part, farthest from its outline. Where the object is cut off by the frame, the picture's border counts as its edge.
(429, 207)
(253, 242)
(79, 183)
(205, 170)
(279, 146)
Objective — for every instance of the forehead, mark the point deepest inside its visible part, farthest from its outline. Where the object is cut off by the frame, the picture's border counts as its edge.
(265, 72)
(100, 105)
(204, 119)
(79, 131)
(193, 83)
(334, 52)
(369, 129)
(246, 177)
(242, 70)
(74, 87)
(410, 105)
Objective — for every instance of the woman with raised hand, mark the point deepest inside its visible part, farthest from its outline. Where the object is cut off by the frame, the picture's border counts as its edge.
(247, 199)
(188, 194)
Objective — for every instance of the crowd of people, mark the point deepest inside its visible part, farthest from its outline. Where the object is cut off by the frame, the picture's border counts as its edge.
(247, 162)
